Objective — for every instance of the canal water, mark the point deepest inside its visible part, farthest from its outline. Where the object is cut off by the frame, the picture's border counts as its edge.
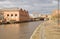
(18, 31)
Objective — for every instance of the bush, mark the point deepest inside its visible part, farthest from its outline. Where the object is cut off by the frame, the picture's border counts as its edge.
(55, 17)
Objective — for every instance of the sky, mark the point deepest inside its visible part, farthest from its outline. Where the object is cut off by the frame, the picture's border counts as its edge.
(38, 6)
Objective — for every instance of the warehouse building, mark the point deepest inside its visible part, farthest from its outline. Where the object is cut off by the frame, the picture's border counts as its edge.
(16, 15)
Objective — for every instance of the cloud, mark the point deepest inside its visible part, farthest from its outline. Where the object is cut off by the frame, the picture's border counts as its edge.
(2, 0)
(31, 5)
(55, 2)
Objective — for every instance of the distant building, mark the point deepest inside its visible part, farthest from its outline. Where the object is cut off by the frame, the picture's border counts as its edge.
(55, 12)
(40, 16)
(17, 15)
(24, 15)
(34, 15)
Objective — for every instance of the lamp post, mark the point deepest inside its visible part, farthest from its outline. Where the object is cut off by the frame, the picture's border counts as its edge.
(58, 12)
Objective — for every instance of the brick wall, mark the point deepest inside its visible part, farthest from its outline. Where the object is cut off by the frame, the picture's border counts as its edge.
(24, 15)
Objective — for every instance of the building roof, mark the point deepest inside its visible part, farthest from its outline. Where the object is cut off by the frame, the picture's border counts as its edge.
(10, 9)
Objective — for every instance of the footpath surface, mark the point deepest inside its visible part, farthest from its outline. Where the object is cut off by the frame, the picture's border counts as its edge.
(47, 30)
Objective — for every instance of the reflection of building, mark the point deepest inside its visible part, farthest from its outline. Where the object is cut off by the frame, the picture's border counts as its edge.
(15, 15)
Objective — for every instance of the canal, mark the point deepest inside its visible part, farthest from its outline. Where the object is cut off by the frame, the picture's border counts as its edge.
(18, 31)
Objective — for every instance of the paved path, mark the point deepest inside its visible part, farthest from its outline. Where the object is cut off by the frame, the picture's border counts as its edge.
(47, 30)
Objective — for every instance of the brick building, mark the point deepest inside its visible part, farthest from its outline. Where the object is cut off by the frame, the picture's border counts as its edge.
(24, 15)
(55, 12)
(16, 15)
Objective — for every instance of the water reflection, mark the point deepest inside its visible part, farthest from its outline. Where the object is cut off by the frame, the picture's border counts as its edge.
(18, 31)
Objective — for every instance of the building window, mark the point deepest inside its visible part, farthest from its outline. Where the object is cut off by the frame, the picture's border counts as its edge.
(11, 14)
(7, 14)
(15, 14)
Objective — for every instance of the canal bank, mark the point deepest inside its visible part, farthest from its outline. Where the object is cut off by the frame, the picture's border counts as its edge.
(47, 30)
(19, 30)
(19, 22)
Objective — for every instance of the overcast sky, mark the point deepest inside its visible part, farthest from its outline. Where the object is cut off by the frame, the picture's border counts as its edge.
(40, 6)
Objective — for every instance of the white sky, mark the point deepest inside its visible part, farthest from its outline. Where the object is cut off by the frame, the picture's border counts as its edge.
(41, 6)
